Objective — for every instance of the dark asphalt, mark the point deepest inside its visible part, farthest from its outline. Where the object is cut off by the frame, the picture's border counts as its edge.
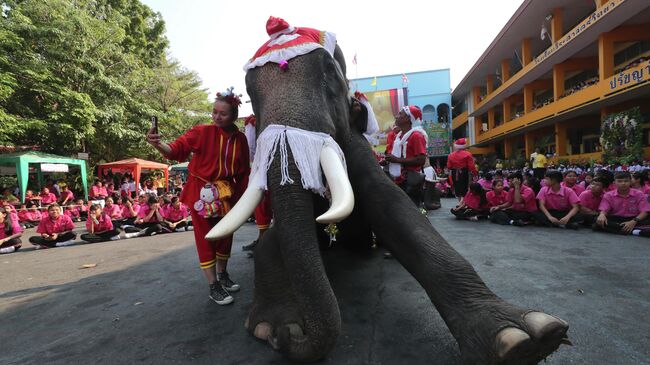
(146, 300)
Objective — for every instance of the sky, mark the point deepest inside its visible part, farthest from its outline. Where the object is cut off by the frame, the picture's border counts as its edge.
(215, 38)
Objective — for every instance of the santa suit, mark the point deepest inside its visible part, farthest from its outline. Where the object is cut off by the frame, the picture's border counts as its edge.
(461, 163)
(218, 155)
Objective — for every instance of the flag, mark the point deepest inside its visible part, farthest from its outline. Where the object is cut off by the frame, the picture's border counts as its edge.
(354, 59)
(405, 80)
(374, 81)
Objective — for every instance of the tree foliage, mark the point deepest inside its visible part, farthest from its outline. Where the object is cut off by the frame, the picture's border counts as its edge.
(86, 75)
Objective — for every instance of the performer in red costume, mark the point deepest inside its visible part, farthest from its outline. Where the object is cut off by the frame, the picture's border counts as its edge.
(461, 164)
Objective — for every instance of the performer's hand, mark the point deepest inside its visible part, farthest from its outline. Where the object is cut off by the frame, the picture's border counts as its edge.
(391, 158)
(601, 220)
(153, 138)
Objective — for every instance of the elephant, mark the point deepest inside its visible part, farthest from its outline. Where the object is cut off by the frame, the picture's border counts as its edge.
(294, 307)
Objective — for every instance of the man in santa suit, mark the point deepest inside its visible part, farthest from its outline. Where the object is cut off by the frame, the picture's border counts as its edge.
(461, 164)
(409, 152)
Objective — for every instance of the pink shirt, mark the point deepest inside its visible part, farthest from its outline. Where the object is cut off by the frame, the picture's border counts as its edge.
(577, 188)
(96, 192)
(67, 194)
(495, 199)
(630, 205)
(50, 226)
(16, 228)
(126, 212)
(72, 212)
(48, 198)
(105, 224)
(527, 195)
(645, 189)
(485, 184)
(589, 200)
(113, 211)
(474, 201)
(30, 215)
(144, 211)
(174, 215)
(562, 200)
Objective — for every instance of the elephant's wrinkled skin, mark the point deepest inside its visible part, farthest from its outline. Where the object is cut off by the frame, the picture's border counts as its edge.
(294, 306)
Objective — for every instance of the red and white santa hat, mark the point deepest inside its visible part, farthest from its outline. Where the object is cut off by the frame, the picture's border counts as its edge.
(372, 126)
(415, 114)
(460, 144)
(287, 42)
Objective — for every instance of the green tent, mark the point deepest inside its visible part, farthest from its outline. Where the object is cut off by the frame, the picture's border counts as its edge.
(22, 160)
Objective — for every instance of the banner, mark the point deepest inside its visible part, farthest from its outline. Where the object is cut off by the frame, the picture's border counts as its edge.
(386, 104)
(439, 138)
(54, 167)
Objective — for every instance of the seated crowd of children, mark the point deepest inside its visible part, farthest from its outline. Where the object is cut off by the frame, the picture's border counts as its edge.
(609, 202)
(105, 216)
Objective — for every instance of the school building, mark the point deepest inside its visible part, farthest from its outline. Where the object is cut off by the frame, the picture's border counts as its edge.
(550, 76)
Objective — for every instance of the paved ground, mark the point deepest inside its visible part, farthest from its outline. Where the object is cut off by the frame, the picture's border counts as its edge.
(146, 301)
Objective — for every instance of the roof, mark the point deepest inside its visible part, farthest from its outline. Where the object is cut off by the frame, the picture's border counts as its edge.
(135, 161)
(526, 22)
(37, 157)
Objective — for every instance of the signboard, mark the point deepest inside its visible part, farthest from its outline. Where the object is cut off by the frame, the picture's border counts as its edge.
(54, 167)
(82, 155)
(439, 138)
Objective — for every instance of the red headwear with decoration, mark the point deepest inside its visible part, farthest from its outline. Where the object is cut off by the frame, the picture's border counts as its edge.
(460, 144)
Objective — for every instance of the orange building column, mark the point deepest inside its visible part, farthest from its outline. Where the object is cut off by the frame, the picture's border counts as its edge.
(605, 57)
(507, 148)
(560, 139)
(529, 94)
(558, 81)
(507, 103)
(529, 139)
(490, 84)
(476, 93)
(505, 70)
(491, 119)
(557, 25)
(526, 52)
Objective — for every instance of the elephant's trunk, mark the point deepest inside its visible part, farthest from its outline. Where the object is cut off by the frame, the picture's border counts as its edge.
(294, 223)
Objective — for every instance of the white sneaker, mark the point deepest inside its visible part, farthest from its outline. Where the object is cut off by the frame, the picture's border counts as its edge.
(9, 249)
(131, 235)
(190, 228)
(65, 243)
(115, 238)
(473, 219)
(153, 234)
(182, 229)
(127, 226)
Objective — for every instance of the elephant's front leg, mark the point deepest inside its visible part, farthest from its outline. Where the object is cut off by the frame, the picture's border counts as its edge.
(487, 329)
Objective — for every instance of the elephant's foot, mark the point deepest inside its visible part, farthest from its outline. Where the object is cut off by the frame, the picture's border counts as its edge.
(542, 335)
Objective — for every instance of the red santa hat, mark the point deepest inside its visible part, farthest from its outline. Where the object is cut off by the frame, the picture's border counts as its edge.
(460, 144)
(414, 113)
(277, 26)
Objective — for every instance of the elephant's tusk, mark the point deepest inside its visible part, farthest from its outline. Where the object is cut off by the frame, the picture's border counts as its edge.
(239, 213)
(340, 188)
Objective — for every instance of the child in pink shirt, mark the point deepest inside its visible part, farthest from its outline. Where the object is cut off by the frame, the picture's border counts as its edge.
(639, 182)
(129, 211)
(10, 231)
(590, 200)
(497, 196)
(473, 204)
(624, 210)
(558, 205)
(66, 196)
(486, 181)
(55, 229)
(99, 226)
(176, 216)
(571, 182)
(74, 211)
(519, 205)
(29, 215)
(47, 198)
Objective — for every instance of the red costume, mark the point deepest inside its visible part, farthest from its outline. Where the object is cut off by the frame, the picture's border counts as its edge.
(218, 155)
(264, 212)
(461, 160)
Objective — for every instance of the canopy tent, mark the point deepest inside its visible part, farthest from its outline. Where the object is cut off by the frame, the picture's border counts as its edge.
(135, 166)
(179, 166)
(22, 160)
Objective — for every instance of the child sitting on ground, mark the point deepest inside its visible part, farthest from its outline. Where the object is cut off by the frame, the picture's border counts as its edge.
(29, 215)
(497, 196)
(473, 204)
(66, 197)
(590, 201)
(55, 229)
(571, 182)
(129, 211)
(639, 182)
(558, 205)
(624, 210)
(99, 226)
(519, 206)
(176, 216)
(74, 210)
(149, 220)
(47, 197)
(486, 181)
(113, 211)
(10, 231)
